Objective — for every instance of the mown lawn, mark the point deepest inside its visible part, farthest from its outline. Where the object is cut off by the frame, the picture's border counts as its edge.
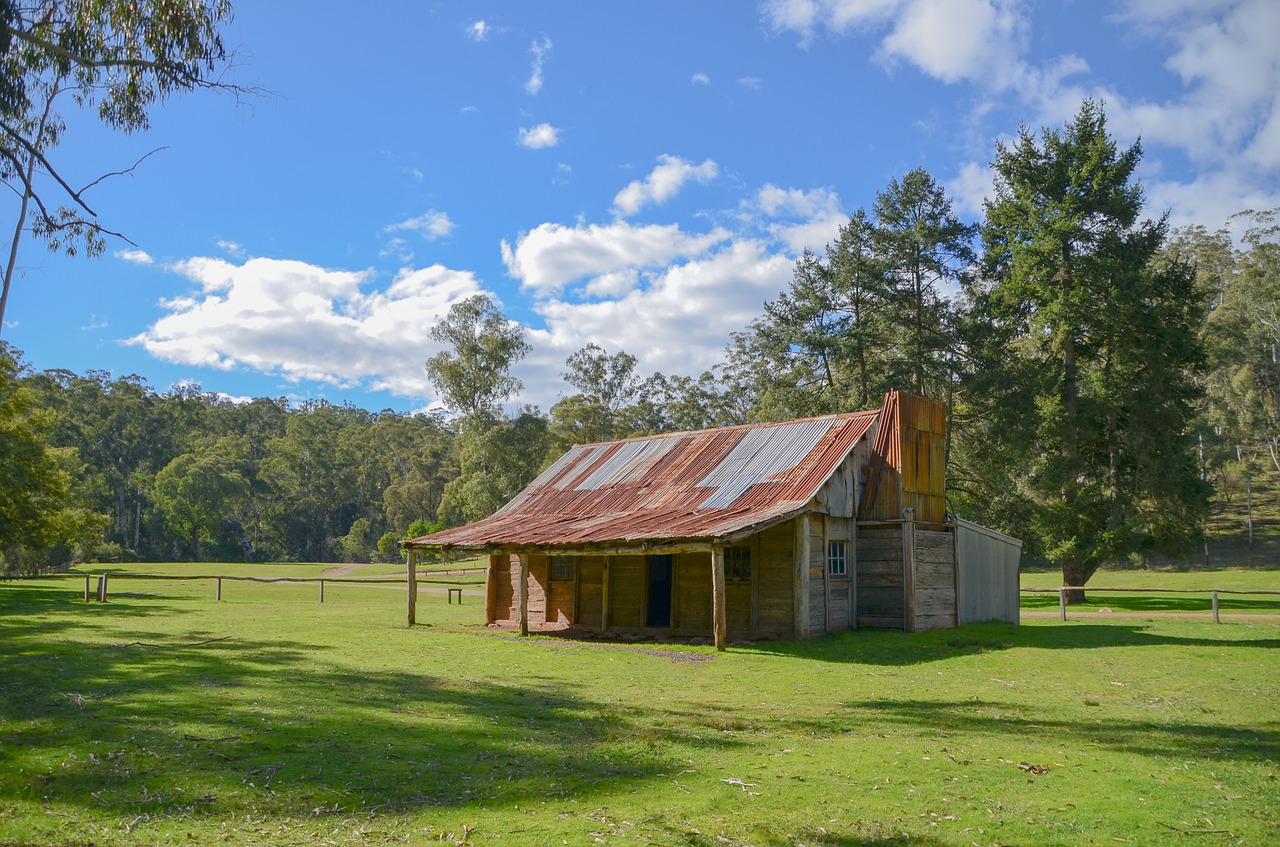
(164, 717)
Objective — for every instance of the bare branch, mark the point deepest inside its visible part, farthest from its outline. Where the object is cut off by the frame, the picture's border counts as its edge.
(127, 171)
(49, 169)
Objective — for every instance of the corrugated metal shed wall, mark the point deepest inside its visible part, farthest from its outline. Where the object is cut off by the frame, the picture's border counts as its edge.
(987, 568)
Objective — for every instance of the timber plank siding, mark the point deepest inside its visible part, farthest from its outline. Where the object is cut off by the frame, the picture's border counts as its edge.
(775, 599)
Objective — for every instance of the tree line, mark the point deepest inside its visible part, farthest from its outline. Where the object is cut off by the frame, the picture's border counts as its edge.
(1102, 370)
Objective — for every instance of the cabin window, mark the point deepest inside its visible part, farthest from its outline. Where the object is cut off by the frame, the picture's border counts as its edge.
(563, 568)
(837, 558)
(737, 563)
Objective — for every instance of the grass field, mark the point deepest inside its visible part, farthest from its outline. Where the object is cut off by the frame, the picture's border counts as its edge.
(164, 717)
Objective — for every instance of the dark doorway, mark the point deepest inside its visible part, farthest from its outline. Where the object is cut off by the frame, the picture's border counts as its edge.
(659, 613)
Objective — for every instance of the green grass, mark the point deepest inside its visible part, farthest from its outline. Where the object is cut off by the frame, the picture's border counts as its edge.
(163, 717)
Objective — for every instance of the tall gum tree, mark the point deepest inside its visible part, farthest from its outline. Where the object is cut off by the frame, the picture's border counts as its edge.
(117, 57)
(1108, 339)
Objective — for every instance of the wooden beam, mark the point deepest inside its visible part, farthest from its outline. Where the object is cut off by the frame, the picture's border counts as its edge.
(524, 594)
(412, 568)
(908, 570)
(851, 564)
(719, 619)
(491, 590)
(802, 577)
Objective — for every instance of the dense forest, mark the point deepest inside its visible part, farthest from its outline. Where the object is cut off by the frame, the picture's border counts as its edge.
(1104, 373)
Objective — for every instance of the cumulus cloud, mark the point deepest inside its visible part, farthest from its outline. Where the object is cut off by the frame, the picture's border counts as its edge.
(662, 183)
(478, 31)
(679, 322)
(753, 83)
(430, 225)
(700, 79)
(799, 219)
(304, 322)
(541, 49)
(551, 256)
(138, 257)
(537, 137)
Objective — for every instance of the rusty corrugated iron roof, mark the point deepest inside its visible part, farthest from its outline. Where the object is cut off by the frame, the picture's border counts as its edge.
(713, 484)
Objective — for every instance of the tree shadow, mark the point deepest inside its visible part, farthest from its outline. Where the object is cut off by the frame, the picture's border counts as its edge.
(886, 647)
(1174, 740)
(199, 725)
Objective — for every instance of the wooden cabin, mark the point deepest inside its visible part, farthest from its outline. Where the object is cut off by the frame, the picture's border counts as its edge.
(772, 530)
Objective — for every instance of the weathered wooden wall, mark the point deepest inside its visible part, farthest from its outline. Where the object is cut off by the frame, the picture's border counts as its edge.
(590, 591)
(692, 609)
(879, 573)
(627, 592)
(774, 600)
(935, 579)
(817, 577)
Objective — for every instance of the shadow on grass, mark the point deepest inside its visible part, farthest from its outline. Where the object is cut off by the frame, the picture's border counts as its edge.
(200, 724)
(993, 718)
(886, 647)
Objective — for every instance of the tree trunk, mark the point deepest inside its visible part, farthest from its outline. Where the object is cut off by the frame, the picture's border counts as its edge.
(195, 542)
(1076, 573)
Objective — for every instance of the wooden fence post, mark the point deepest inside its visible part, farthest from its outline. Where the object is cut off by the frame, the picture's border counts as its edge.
(1062, 603)
(86, 588)
(413, 587)
(1215, 607)
(322, 591)
(102, 588)
(219, 596)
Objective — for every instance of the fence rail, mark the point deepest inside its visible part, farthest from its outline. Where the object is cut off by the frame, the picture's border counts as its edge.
(103, 580)
(1213, 592)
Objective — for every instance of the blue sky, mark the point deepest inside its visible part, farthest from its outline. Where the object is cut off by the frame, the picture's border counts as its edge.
(641, 175)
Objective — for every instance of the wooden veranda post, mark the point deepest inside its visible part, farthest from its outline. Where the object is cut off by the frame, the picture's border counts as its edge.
(491, 589)
(413, 586)
(908, 570)
(719, 620)
(524, 593)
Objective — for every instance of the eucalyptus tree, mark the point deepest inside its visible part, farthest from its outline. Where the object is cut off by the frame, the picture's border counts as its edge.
(1092, 347)
(473, 376)
(119, 57)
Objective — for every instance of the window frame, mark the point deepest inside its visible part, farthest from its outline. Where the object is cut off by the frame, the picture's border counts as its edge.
(842, 558)
(737, 563)
(558, 562)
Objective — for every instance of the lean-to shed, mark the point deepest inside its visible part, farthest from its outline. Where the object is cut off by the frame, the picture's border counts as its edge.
(769, 530)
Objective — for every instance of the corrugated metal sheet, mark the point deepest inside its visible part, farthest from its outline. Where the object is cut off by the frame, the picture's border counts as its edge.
(987, 569)
(909, 461)
(692, 485)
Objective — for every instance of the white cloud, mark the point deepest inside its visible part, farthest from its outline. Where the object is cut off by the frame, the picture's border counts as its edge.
(800, 219)
(541, 49)
(700, 79)
(231, 248)
(306, 322)
(662, 183)
(971, 187)
(752, 82)
(430, 225)
(478, 31)
(678, 323)
(138, 257)
(542, 135)
(953, 40)
(552, 256)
